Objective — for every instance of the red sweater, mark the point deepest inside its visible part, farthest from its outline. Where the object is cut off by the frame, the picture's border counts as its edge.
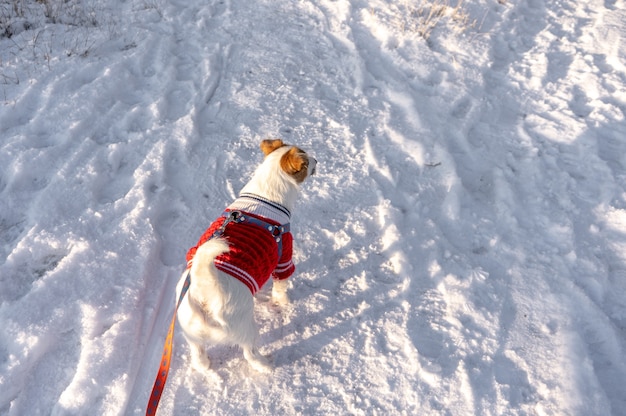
(253, 254)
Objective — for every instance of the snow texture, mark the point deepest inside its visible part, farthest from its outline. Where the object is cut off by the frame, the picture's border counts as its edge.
(461, 250)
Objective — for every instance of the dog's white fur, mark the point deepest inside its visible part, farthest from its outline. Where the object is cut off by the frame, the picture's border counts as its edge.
(219, 308)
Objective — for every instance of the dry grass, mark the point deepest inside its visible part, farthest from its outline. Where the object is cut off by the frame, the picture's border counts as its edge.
(19, 15)
(34, 34)
(422, 18)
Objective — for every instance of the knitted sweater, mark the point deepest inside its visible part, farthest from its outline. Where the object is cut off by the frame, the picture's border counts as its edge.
(253, 255)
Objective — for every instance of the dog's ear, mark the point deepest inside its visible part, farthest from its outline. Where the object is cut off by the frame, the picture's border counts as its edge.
(268, 146)
(295, 163)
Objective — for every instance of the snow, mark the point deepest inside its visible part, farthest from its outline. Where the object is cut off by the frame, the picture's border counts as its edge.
(461, 250)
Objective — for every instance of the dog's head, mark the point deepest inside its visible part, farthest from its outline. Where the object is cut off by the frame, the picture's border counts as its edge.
(294, 161)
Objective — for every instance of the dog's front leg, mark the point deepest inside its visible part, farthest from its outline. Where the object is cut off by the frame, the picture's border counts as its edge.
(279, 292)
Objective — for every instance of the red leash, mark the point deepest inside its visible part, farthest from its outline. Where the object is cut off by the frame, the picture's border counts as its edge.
(164, 369)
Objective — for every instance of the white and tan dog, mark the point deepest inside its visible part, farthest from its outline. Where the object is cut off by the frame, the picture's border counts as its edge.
(238, 253)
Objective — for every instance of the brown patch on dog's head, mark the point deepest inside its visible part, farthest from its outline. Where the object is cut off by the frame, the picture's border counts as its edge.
(295, 163)
(268, 146)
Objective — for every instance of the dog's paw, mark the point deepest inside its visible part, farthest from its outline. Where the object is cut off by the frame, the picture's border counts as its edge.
(201, 366)
(280, 299)
(262, 366)
(257, 362)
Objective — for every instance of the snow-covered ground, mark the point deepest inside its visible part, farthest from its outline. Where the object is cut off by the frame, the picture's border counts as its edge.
(461, 251)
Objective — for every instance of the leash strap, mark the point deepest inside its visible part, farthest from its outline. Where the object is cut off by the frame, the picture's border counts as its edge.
(164, 369)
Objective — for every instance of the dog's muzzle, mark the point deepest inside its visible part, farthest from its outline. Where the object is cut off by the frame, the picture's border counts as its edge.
(312, 166)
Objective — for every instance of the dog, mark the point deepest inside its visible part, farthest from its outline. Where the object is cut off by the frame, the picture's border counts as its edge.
(241, 250)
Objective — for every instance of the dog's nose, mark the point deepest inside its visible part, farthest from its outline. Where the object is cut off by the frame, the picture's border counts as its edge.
(313, 168)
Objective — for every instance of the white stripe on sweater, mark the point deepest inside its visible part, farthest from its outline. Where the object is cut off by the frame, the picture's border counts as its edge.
(283, 267)
(237, 272)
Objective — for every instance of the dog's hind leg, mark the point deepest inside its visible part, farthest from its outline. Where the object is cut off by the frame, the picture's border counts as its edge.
(199, 359)
(200, 363)
(248, 335)
(244, 332)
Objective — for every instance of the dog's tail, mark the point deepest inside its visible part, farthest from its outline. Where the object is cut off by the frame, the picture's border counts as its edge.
(205, 286)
